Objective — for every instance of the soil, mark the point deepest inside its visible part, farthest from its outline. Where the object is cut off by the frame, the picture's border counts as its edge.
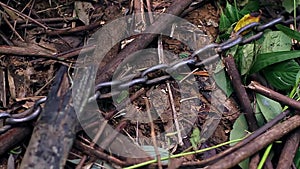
(29, 77)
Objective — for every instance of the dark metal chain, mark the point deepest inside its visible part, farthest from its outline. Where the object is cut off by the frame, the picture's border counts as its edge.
(144, 76)
(13, 119)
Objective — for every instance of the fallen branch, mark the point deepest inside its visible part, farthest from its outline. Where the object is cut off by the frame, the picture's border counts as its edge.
(13, 137)
(288, 153)
(54, 132)
(273, 95)
(258, 143)
(240, 91)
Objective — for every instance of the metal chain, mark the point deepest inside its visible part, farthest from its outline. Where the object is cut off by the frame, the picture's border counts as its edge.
(144, 76)
(13, 119)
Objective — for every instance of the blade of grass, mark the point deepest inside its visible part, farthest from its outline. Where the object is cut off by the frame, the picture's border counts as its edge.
(264, 157)
(183, 154)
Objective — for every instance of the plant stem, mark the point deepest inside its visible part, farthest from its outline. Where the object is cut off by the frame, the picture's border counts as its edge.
(264, 157)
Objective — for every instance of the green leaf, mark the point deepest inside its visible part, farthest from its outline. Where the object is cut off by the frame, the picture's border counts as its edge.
(183, 55)
(231, 12)
(267, 59)
(282, 75)
(297, 158)
(195, 138)
(275, 41)
(289, 5)
(244, 164)
(251, 6)
(259, 116)
(151, 151)
(297, 78)
(289, 32)
(223, 82)
(224, 23)
(246, 56)
(238, 131)
(269, 108)
(233, 51)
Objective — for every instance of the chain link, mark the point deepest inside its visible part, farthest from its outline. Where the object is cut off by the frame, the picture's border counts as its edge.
(13, 119)
(144, 76)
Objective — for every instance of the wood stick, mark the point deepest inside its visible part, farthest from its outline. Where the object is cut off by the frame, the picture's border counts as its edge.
(258, 143)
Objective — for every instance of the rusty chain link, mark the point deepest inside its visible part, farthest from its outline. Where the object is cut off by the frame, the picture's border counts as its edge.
(144, 78)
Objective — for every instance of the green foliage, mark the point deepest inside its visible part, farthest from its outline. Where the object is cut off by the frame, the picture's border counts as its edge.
(275, 41)
(297, 158)
(282, 76)
(267, 59)
(289, 5)
(231, 15)
(239, 131)
(289, 32)
(195, 138)
(224, 23)
(183, 55)
(223, 82)
(250, 7)
(245, 56)
(231, 12)
(268, 107)
(271, 55)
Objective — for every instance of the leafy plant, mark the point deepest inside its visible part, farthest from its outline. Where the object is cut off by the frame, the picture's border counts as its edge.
(271, 56)
(239, 131)
(289, 5)
(195, 138)
(289, 32)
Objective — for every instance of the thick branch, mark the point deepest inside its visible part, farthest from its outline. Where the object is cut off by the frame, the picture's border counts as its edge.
(240, 92)
(259, 143)
(54, 133)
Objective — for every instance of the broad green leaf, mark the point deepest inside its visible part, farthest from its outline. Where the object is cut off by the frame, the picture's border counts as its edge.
(275, 41)
(259, 116)
(195, 138)
(289, 32)
(267, 59)
(282, 75)
(219, 67)
(289, 5)
(231, 12)
(223, 82)
(246, 56)
(224, 23)
(151, 151)
(251, 6)
(269, 108)
(238, 131)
